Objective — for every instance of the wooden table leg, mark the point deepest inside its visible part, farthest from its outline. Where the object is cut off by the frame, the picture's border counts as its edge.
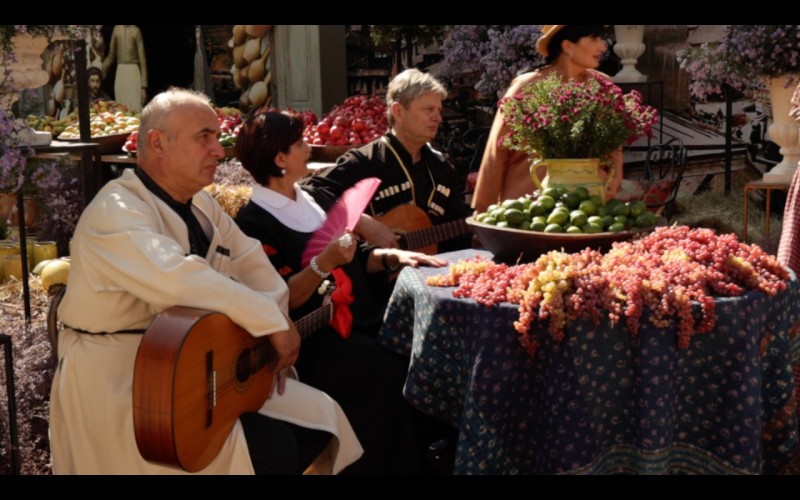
(5, 341)
(744, 234)
(767, 210)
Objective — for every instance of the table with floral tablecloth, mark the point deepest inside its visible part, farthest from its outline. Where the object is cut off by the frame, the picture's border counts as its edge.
(601, 401)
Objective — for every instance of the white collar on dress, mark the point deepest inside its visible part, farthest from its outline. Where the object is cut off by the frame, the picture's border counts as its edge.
(303, 215)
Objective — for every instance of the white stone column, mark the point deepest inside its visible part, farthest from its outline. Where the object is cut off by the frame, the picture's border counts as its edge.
(310, 66)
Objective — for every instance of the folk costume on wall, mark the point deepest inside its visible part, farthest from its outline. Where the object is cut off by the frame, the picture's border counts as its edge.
(127, 50)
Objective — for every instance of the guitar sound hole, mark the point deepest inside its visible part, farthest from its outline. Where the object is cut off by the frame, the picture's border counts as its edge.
(243, 366)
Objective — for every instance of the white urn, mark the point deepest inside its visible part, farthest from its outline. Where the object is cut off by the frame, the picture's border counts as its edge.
(784, 131)
(629, 48)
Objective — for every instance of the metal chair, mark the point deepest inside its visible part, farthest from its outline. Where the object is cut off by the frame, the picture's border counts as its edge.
(663, 172)
(466, 150)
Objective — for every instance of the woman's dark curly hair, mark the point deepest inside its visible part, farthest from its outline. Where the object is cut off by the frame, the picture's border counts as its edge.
(573, 33)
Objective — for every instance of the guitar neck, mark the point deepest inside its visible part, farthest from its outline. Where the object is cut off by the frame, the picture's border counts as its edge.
(308, 324)
(312, 322)
(434, 234)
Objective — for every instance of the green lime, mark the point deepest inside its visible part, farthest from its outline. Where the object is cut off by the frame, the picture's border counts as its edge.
(597, 200)
(647, 219)
(481, 217)
(621, 209)
(595, 219)
(499, 213)
(538, 226)
(557, 218)
(514, 204)
(492, 208)
(539, 219)
(577, 218)
(548, 202)
(490, 220)
(588, 207)
(610, 204)
(582, 192)
(514, 216)
(607, 221)
(616, 227)
(638, 208)
(574, 230)
(526, 225)
(537, 208)
(502, 224)
(571, 200)
(551, 192)
(562, 209)
(622, 219)
(553, 228)
(593, 228)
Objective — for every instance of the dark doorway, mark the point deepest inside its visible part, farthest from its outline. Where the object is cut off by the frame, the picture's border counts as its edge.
(169, 50)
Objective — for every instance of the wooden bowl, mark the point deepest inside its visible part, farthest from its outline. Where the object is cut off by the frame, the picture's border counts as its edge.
(328, 154)
(109, 144)
(508, 244)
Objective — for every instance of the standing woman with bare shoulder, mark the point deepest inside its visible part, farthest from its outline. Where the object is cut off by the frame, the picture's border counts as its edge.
(574, 52)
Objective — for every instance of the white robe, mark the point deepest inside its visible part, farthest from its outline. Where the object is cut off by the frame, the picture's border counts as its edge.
(130, 261)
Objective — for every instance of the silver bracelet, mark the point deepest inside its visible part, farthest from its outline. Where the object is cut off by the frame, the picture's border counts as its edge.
(316, 269)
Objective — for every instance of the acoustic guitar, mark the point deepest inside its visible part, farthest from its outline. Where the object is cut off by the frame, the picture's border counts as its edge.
(196, 371)
(416, 230)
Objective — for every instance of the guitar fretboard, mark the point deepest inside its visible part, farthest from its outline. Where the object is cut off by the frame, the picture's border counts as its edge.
(265, 354)
(434, 234)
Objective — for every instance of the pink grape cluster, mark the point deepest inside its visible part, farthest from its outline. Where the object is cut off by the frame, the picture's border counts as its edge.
(666, 271)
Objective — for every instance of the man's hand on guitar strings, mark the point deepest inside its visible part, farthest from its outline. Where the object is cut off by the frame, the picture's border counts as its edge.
(377, 233)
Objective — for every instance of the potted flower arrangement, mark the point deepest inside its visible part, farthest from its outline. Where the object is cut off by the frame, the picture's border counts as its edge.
(747, 57)
(550, 120)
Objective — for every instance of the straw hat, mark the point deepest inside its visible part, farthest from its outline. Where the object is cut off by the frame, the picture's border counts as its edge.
(548, 31)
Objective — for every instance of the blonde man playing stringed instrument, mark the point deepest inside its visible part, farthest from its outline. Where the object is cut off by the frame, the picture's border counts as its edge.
(413, 174)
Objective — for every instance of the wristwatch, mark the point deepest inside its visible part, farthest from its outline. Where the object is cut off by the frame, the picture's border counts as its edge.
(385, 263)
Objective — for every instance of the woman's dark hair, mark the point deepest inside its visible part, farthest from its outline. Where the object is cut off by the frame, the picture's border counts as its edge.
(261, 138)
(573, 33)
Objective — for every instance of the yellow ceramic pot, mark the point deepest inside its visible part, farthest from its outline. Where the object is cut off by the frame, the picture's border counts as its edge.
(570, 173)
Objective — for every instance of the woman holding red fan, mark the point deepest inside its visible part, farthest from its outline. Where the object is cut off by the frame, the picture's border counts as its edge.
(343, 358)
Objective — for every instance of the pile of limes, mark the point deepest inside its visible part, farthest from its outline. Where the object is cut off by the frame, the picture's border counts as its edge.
(558, 210)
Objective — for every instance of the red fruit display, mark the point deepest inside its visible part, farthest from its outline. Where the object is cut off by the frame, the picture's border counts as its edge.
(668, 272)
(357, 121)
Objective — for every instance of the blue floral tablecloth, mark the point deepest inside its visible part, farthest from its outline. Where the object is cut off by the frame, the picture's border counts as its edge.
(601, 401)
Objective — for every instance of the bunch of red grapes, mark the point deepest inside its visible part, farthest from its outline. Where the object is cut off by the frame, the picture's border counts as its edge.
(666, 272)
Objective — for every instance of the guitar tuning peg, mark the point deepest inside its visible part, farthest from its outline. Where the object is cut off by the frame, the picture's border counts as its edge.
(323, 287)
